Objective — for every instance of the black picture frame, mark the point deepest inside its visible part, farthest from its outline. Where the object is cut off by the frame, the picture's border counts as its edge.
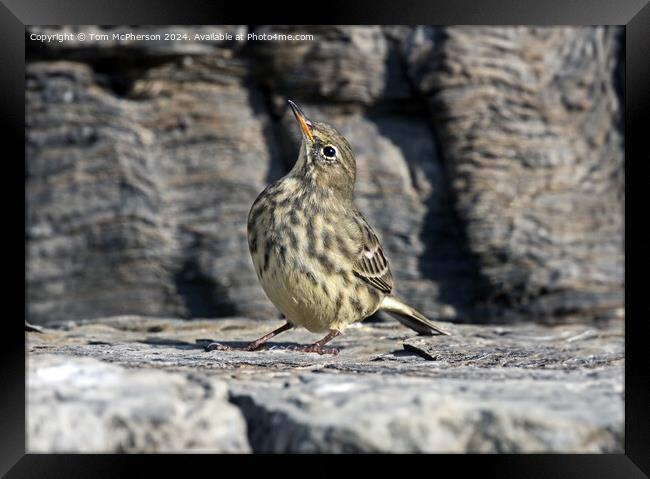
(633, 14)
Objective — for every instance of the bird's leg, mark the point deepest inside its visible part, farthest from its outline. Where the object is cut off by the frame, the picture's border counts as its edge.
(317, 347)
(253, 345)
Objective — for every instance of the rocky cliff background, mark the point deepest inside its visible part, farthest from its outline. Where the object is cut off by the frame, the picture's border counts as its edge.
(490, 163)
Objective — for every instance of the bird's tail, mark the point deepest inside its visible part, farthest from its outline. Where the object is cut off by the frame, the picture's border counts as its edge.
(410, 317)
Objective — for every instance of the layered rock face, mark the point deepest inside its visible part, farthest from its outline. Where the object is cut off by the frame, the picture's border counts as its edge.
(490, 163)
(530, 125)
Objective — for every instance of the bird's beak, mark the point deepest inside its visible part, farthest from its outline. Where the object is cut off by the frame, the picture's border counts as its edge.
(303, 121)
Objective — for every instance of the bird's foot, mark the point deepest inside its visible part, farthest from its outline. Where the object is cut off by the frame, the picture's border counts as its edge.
(222, 347)
(313, 348)
(253, 345)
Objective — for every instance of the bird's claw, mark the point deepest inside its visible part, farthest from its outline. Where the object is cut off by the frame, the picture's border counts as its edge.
(217, 347)
(223, 347)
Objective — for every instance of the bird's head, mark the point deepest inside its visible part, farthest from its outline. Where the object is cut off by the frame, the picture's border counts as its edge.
(326, 158)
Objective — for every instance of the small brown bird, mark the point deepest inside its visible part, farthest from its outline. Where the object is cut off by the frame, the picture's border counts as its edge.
(318, 260)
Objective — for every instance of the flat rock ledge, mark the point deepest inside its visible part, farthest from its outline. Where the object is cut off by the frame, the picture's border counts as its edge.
(135, 384)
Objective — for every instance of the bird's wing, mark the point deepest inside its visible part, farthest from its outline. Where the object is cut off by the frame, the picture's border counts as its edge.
(370, 263)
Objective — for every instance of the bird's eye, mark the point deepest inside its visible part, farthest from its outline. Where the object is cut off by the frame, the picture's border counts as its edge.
(329, 151)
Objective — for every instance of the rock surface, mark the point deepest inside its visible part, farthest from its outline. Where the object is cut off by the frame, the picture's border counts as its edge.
(519, 388)
(85, 405)
(490, 164)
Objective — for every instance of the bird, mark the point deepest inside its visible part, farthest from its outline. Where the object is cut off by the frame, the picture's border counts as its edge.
(317, 258)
